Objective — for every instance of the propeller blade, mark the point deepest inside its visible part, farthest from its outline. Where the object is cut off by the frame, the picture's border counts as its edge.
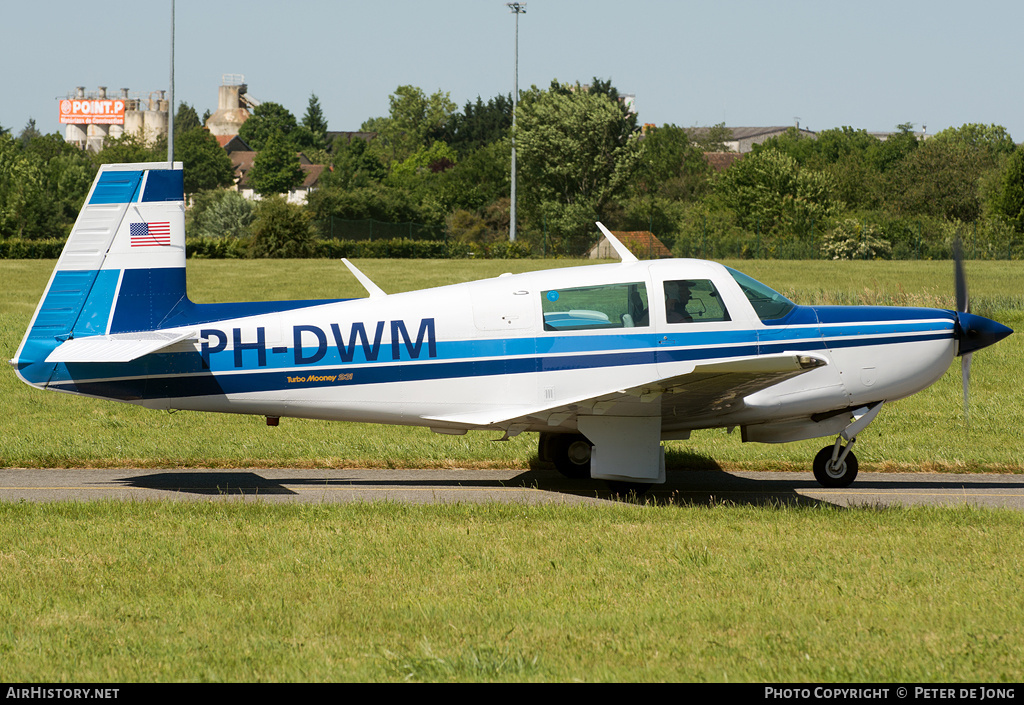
(965, 374)
(972, 332)
(963, 304)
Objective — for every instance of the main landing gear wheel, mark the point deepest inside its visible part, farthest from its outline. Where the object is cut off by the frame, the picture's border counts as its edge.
(838, 472)
(570, 453)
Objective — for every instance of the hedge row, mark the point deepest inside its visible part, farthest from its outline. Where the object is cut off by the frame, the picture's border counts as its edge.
(399, 248)
(232, 248)
(14, 248)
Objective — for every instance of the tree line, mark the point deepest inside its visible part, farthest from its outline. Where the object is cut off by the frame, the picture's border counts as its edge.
(581, 157)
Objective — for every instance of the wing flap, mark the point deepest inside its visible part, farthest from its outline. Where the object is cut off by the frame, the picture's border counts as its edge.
(708, 389)
(121, 347)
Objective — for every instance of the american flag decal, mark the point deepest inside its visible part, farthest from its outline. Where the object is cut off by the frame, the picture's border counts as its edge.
(150, 234)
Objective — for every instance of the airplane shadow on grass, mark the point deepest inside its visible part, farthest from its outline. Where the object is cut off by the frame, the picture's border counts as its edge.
(213, 483)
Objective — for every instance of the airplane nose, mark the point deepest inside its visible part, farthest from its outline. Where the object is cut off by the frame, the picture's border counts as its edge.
(977, 332)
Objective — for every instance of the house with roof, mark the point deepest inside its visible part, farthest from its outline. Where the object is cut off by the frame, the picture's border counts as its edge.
(311, 177)
(641, 243)
(744, 138)
(243, 157)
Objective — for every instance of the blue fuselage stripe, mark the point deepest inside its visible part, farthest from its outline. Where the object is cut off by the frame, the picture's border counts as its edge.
(151, 299)
(180, 375)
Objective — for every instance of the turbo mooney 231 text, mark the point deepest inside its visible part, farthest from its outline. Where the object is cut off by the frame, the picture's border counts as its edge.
(604, 361)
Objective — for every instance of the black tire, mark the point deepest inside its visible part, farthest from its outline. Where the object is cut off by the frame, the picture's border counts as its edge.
(828, 476)
(570, 452)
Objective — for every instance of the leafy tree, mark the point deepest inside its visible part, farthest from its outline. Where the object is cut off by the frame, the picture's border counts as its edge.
(315, 122)
(206, 164)
(221, 214)
(574, 147)
(606, 89)
(478, 124)
(267, 119)
(671, 165)
(825, 148)
(68, 173)
(851, 239)
(22, 192)
(281, 229)
(43, 182)
(276, 168)
(478, 179)
(792, 143)
(466, 226)
(185, 119)
(767, 189)
(846, 156)
(434, 159)
(130, 148)
(29, 132)
(578, 152)
(993, 141)
(1009, 200)
(354, 166)
(895, 148)
(939, 178)
(376, 201)
(415, 120)
(835, 145)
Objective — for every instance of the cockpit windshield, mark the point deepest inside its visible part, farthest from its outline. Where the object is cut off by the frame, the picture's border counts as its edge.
(769, 305)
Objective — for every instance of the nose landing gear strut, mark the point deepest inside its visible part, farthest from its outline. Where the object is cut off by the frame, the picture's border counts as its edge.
(836, 465)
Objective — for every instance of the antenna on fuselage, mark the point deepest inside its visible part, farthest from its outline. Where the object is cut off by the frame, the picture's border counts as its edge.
(372, 289)
(623, 252)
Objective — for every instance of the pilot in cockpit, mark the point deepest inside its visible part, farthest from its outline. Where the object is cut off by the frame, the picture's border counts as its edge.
(677, 295)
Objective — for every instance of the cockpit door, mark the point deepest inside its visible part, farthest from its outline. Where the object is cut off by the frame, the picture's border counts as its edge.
(695, 323)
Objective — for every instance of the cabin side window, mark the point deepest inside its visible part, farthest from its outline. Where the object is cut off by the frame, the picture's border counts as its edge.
(596, 307)
(693, 301)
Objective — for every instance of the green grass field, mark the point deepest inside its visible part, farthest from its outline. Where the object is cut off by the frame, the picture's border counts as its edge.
(229, 591)
(250, 591)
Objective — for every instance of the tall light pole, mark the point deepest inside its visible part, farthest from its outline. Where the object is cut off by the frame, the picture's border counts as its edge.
(517, 8)
(170, 100)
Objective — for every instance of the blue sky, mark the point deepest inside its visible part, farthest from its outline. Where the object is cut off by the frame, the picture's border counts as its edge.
(869, 64)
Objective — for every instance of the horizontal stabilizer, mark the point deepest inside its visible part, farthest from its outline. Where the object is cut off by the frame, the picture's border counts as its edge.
(121, 347)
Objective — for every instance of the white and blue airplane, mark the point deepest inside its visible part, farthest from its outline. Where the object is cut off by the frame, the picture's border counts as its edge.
(605, 362)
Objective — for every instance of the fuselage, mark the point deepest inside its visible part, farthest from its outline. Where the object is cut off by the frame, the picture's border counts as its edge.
(455, 356)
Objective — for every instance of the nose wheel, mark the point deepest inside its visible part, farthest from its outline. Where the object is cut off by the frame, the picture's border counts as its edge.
(836, 465)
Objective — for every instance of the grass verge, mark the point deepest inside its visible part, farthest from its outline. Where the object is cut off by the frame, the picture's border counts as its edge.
(247, 591)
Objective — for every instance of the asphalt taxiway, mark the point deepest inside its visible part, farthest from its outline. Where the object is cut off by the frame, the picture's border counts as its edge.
(486, 485)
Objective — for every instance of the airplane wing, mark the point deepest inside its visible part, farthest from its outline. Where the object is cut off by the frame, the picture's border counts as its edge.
(120, 347)
(707, 390)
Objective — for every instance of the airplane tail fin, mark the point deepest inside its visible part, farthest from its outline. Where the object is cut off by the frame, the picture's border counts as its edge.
(122, 269)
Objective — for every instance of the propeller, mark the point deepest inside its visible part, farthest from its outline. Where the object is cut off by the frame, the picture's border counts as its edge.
(972, 332)
(963, 305)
